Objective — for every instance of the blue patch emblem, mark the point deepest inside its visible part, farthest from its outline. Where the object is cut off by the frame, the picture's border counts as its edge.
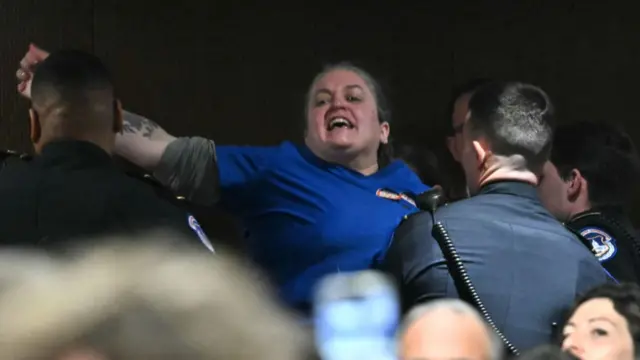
(195, 226)
(604, 245)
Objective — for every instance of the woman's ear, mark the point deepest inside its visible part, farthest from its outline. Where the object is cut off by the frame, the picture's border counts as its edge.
(385, 130)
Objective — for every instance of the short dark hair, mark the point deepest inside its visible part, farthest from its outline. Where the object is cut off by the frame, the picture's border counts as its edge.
(626, 301)
(67, 76)
(515, 119)
(462, 89)
(605, 156)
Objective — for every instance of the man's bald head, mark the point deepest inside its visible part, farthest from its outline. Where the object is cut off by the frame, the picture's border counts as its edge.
(73, 97)
(447, 329)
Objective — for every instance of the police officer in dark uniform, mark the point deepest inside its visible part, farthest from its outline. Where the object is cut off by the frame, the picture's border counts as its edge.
(524, 266)
(589, 184)
(72, 188)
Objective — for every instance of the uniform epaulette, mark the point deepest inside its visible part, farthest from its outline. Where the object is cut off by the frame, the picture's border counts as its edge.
(157, 185)
(8, 154)
(11, 156)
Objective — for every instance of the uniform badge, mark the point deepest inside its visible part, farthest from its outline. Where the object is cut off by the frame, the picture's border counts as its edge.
(604, 245)
(390, 195)
(386, 194)
(195, 226)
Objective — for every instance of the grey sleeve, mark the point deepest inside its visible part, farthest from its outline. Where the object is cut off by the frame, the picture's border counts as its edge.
(188, 167)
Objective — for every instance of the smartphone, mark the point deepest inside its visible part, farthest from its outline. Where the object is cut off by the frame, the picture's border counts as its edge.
(356, 316)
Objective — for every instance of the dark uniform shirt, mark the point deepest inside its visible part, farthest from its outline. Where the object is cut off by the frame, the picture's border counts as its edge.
(73, 189)
(526, 267)
(614, 239)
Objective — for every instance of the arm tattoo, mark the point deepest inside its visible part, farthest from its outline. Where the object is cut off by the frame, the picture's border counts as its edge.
(138, 125)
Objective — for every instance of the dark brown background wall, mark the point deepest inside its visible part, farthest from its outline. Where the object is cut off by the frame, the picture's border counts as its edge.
(237, 72)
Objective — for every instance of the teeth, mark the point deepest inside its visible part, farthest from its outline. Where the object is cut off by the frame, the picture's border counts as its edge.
(339, 121)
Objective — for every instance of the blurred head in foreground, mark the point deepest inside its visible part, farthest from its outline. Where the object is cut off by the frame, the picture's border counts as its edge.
(142, 301)
(447, 329)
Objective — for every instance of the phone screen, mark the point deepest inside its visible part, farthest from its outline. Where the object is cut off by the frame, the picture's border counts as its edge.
(356, 316)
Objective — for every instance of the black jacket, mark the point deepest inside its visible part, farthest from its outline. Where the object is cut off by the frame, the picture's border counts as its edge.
(74, 190)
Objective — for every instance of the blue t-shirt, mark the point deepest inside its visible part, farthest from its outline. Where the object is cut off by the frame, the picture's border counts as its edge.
(306, 218)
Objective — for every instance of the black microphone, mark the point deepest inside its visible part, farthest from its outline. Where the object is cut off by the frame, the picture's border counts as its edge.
(430, 199)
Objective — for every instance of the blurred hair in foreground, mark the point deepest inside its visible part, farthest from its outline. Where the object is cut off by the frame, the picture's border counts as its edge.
(140, 298)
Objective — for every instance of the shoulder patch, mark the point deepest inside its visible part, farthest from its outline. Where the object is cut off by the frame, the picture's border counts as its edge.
(604, 245)
(195, 226)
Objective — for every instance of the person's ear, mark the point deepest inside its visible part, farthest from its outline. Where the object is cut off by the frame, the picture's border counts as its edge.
(117, 116)
(575, 185)
(385, 130)
(480, 152)
(35, 129)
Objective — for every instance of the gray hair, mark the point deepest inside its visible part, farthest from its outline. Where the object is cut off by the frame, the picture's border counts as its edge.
(142, 298)
(456, 306)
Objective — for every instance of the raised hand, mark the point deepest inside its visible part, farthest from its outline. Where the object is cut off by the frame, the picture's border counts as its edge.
(24, 74)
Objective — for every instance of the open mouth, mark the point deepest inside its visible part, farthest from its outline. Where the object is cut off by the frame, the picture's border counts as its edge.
(339, 122)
